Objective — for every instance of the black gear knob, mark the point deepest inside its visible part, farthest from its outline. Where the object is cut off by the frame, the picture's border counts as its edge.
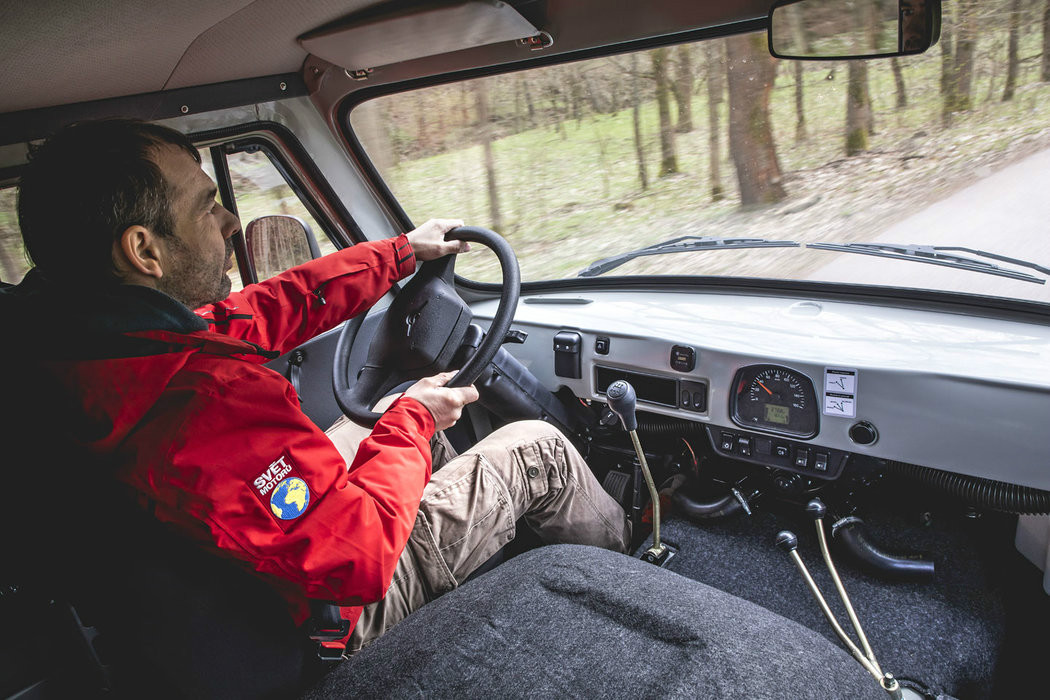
(816, 509)
(786, 541)
(622, 400)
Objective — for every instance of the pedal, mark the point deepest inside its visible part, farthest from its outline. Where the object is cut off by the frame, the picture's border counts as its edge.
(615, 484)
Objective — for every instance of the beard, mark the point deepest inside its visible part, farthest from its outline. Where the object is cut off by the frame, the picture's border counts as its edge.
(193, 281)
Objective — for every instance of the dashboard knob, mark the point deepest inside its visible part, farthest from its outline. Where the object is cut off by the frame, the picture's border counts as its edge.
(863, 433)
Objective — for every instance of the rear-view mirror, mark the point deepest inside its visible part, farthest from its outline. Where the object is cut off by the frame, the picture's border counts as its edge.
(845, 29)
(276, 243)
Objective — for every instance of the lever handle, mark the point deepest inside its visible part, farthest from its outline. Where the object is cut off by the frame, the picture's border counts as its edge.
(622, 401)
(786, 541)
(816, 509)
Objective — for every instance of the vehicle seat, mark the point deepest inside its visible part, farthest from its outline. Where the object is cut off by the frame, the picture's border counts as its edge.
(576, 621)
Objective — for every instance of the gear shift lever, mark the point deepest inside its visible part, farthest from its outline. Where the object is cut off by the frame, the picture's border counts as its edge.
(622, 400)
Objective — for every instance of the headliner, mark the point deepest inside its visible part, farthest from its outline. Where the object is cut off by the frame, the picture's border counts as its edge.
(56, 52)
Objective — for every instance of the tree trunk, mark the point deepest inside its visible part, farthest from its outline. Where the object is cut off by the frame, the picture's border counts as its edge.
(800, 110)
(528, 102)
(1011, 52)
(857, 108)
(636, 100)
(898, 81)
(965, 48)
(485, 137)
(668, 157)
(715, 96)
(683, 89)
(947, 64)
(750, 71)
(1045, 73)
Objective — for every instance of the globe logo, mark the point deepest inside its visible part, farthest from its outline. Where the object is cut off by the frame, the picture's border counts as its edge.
(290, 499)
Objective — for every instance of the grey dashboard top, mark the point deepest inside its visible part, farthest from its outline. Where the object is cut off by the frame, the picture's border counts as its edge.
(961, 393)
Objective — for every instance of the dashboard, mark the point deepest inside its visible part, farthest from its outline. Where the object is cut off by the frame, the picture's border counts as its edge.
(801, 384)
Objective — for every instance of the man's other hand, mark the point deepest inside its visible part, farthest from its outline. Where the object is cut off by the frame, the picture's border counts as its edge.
(428, 241)
(444, 403)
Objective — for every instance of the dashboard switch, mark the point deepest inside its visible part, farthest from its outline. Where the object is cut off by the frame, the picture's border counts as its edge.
(687, 399)
(820, 462)
(601, 345)
(683, 358)
(781, 450)
(743, 445)
(728, 442)
(802, 457)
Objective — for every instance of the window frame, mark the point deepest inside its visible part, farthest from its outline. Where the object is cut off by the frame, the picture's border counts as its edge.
(288, 156)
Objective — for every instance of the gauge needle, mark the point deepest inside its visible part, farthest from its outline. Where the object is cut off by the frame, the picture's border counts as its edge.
(764, 387)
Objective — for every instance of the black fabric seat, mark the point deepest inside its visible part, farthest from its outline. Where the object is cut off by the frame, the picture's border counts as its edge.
(575, 621)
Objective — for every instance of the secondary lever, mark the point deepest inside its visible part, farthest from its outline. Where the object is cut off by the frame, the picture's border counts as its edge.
(622, 401)
(788, 542)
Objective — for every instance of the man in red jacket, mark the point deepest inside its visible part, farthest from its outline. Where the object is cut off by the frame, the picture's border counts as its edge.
(168, 387)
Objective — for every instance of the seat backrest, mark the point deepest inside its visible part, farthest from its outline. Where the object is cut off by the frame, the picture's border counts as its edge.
(172, 621)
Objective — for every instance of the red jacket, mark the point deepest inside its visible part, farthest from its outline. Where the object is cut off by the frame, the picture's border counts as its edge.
(217, 445)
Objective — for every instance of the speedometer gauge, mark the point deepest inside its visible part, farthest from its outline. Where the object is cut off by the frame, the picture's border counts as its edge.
(776, 399)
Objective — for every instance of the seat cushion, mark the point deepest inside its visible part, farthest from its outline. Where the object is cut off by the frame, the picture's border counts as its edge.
(570, 620)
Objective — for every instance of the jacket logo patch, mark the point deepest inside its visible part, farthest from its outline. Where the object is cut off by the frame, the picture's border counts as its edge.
(290, 498)
(268, 480)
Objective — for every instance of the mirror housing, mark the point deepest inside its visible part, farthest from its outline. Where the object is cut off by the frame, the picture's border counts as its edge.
(822, 30)
(276, 243)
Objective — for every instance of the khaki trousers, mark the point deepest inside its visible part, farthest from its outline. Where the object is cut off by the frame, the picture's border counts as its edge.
(523, 470)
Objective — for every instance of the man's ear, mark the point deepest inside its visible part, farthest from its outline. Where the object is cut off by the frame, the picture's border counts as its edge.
(138, 253)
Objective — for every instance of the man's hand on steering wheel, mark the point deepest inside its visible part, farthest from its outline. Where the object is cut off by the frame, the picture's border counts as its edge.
(428, 241)
(444, 403)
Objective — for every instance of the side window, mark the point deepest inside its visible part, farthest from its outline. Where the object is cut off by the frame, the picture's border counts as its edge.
(259, 189)
(13, 262)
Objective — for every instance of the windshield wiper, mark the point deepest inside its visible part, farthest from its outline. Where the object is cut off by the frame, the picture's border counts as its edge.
(683, 244)
(930, 254)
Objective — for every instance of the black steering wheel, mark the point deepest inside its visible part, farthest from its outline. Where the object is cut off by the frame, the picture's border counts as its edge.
(423, 331)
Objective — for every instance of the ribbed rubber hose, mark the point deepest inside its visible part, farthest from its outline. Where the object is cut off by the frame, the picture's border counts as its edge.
(984, 493)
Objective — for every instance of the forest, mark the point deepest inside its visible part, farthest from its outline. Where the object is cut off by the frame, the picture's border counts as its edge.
(686, 140)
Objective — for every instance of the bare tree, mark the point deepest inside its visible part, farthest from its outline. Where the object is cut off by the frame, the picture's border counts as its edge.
(957, 61)
(858, 108)
(750, 71)
(800, 107)
(1011, 52)
(714, 53)
(668, 155)
(1045, 72)
(682, 86)
(484, 128)
(898, 81)
(636, 100)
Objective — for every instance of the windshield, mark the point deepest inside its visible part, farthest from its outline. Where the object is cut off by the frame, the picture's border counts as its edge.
(585, 161)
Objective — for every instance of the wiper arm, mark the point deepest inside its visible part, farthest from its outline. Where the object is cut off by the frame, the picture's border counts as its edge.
(683, 244)
(930, 254)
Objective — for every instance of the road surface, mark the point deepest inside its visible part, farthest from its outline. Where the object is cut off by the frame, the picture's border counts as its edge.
(1007, 213)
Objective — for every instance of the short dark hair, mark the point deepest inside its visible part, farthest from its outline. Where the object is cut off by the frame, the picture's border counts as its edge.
(85, 185)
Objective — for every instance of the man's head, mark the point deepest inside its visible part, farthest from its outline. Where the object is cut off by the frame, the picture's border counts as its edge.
(121, 201)
(913, 24)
